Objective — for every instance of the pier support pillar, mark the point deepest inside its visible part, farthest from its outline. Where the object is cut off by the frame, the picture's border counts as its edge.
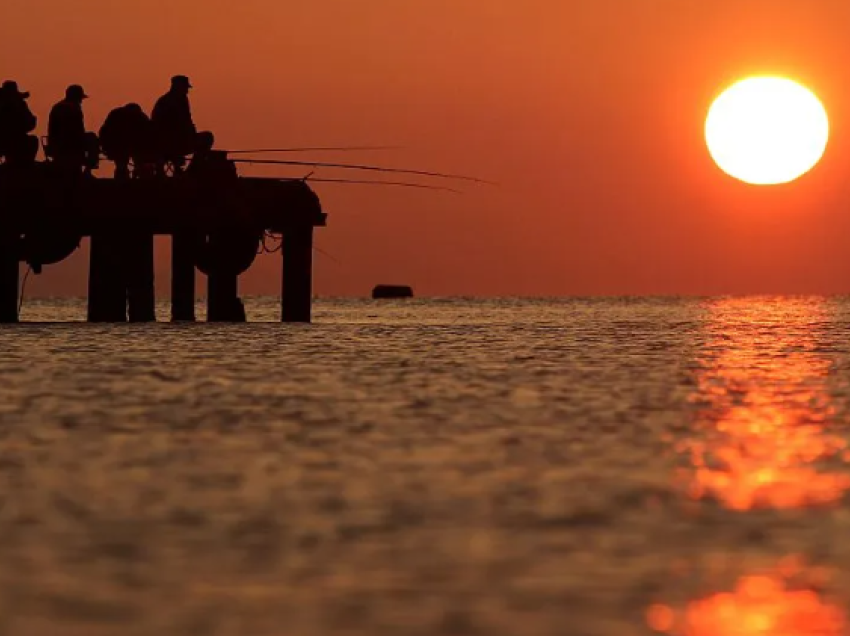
(296, 297)
(223, 302)
(141, 295)
(182, 278)
(9, 279)
(107, 282)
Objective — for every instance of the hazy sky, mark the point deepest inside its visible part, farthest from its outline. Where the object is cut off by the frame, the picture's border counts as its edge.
(588, 112)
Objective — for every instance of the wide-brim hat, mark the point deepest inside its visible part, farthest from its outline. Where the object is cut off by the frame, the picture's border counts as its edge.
(12, 87)
(181, 80)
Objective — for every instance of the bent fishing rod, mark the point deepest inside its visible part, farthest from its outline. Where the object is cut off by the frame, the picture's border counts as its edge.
(351, 166)
(260, 151)
(401, 184)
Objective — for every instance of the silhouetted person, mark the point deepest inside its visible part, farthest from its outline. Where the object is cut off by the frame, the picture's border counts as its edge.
(202, 151)
(174, 129)
(126, 136)
(209, 163)
(68, 143)
(16, 124)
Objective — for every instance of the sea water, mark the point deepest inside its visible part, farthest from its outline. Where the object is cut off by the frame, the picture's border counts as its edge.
(442, 466)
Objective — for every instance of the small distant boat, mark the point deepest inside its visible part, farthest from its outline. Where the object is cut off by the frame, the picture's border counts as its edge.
(384, 292)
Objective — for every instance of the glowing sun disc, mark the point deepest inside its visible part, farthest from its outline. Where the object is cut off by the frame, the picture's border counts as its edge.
(766, 130)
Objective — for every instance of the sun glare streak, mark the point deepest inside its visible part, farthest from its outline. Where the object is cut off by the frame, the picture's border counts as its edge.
(767, 130)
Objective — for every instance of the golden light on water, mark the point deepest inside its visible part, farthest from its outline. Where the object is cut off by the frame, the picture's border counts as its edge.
(766, 460)
(758, 605)
(767, 130)
(764, 437)
(764, 416)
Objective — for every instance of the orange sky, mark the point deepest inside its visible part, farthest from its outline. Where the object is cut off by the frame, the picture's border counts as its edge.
(589, 114)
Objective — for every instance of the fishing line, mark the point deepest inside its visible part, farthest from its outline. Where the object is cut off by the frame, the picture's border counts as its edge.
(324, 253)
(312, 149)
(351, 166)
(401, 184)
(23, 289)
(278, 238)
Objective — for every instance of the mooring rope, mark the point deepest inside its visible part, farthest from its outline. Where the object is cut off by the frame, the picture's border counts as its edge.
(278, 238)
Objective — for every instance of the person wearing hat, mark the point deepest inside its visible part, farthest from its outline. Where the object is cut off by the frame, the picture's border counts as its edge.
(17, 145)
(174, 130)
(68, 143)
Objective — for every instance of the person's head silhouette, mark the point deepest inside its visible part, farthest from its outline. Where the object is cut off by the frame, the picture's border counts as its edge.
(10, 87)
(181, 84)
(75, 94)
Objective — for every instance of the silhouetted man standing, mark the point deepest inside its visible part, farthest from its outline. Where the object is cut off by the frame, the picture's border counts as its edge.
(67, 140)
(125, 136)
(173, 127)
(16, 122)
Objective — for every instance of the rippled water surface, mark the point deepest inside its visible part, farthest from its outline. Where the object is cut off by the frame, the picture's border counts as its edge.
(441, 467)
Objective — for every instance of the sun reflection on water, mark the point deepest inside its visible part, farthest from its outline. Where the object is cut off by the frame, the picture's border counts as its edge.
(759, 605)
(764, 438)
(764, 414)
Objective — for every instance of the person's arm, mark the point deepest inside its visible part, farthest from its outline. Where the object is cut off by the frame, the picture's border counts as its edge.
(31, 120)
(190, 123)
(51, 123)
(80, 123)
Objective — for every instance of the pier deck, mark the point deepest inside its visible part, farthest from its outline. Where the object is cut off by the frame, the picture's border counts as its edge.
(216, 225)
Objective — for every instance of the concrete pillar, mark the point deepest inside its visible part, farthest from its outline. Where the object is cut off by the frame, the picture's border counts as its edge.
(9, 279)
(141, 295)
(223, 303)
(182, 278)
(296, 297)
(107, 283)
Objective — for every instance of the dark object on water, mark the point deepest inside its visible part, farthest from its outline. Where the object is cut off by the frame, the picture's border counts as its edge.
(383, 292)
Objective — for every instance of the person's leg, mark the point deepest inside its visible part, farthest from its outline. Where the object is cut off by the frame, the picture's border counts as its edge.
(22, 150)
(31, 146)
(179, 163)
(67, 162)
(91, 152)
(122, 166)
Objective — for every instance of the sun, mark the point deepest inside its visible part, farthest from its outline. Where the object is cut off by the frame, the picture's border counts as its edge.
(767, 130)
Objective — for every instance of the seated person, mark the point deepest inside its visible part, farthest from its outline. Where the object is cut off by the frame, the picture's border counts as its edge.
(207, 162)
(17, 146)
(126, 136)
(173, 127)
(68, 143)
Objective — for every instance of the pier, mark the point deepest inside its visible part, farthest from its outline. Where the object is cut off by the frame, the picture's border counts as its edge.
(216, 223)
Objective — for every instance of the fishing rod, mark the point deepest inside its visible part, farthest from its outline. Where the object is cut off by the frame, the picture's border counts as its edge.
(311, 149)
(401, 184)
(350, 166)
